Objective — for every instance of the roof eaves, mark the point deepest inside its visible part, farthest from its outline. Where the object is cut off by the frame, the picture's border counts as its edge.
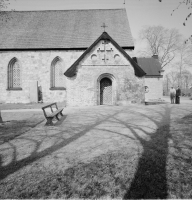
(42, 49)
(76, 10)
(153, 76)
(130, 47)
(47, 49)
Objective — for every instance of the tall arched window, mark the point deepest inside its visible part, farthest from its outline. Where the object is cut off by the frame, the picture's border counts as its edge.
(57, 76)
(14, 75)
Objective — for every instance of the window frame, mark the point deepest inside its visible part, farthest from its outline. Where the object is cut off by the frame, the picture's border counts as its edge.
(52, 74)
(10, 66)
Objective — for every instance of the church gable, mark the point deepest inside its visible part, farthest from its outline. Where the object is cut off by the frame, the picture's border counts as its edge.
(104, 75)
(100, 52)
(103, 54)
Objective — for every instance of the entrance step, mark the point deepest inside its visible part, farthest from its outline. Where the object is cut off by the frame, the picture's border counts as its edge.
(155, 101)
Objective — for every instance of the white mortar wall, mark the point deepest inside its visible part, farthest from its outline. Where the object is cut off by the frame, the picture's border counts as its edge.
(155, 86)
(35, 66)
(83, 88)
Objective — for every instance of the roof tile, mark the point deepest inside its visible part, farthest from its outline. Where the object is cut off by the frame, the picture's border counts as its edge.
(63, 28)
(151, 66)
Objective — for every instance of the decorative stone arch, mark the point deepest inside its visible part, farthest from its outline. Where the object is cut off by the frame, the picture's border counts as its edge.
(111, 78)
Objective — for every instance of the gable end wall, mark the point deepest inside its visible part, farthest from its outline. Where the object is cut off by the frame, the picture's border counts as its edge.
(83, 89)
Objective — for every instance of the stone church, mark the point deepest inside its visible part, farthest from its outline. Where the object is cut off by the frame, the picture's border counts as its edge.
(81, 57)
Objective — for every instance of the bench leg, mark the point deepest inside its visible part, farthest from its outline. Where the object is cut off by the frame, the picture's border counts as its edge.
(57, 117)
(49, 122)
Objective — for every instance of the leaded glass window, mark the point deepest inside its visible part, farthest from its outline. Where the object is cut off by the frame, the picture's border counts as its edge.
(14, 74)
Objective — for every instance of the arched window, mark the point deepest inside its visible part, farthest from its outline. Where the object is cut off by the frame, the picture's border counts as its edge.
(57, 76)
(14, 75)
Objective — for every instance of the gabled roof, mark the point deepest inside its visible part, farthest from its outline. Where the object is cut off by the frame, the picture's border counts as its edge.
(66, 29)
(104, 36)
(151, 66)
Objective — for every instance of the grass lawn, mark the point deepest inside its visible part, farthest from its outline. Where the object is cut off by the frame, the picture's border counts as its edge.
(13, 128)
(162, 170)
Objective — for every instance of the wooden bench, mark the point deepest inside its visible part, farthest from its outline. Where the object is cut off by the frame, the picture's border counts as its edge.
(53, 114)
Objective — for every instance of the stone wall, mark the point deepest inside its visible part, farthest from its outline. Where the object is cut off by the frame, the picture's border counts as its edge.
(83, 89)
(155, 86)
(35, 66)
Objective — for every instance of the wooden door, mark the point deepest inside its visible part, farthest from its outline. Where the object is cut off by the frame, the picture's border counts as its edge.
(106, 91)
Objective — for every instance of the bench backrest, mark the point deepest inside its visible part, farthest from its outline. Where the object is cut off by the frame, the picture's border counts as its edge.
(47, 106)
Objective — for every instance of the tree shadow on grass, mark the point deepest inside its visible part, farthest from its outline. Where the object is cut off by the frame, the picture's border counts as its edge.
(150, 180)
(12, 129)
(36, 154)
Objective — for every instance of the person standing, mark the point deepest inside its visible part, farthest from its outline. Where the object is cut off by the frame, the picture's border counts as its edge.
(172, 95)
(178, 94)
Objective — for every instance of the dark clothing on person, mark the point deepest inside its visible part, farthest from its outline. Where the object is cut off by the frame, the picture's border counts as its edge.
(177, 100)
(178, 94)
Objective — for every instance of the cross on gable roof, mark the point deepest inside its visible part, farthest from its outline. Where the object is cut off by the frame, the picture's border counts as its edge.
(104, 36)
(104, 26)
(62, 29)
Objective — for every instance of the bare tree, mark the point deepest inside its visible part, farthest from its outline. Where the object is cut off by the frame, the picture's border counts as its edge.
(162, 42)
(3, 5)
(184, 58)
(174, 78)
(188, 4)
(186, 78)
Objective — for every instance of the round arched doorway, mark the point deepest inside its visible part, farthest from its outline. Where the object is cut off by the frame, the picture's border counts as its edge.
(106, 91)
